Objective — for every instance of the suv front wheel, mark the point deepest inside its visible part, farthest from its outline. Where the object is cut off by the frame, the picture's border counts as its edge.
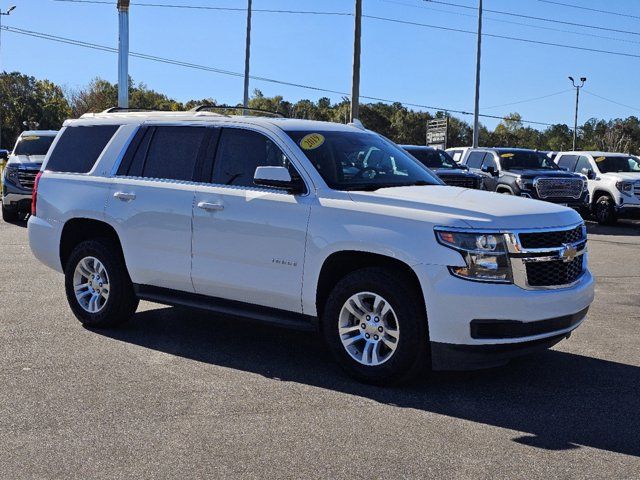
(97, 284)
(375, 326)
(604, 210)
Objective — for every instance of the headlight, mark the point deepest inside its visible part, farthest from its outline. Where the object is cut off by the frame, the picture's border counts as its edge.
(484, 253)
(585, 185)
(625, 187)
(11, 173)
(524, 184)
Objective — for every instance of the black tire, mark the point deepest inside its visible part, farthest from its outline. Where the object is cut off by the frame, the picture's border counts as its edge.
(504, 191)
(10, 216)
(122, 301)
(604, 210)
(411, 354)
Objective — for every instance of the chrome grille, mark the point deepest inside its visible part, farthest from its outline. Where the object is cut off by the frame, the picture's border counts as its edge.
(27, 177)
(552, 239)
(548, 258)
(558, 187)
(554, 273)
(464, 181)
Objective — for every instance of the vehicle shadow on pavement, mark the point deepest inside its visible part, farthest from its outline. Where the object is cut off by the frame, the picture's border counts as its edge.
(623, 227)
(558, 400)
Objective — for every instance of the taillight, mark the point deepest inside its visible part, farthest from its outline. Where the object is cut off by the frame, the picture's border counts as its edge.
(34, 197)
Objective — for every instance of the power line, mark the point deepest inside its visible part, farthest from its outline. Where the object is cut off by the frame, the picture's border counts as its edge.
(511, 22)
(203, 7)
(611, 101)
(597, 10)
(144, 56)
(528, 100)
(505, 37)
(541, 19)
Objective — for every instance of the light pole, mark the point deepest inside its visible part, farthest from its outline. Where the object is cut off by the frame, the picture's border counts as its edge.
(355, 81)
(247, 60)
(575, 120)
(2, 14)
(476, 110)
(123, 53)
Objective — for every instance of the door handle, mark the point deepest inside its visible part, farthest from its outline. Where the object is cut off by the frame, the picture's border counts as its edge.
(210, 207)
(124, 196)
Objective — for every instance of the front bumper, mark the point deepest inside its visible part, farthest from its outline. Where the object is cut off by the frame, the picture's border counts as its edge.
(453, 304)
(16, 197)
(577, 203)
(628, 210)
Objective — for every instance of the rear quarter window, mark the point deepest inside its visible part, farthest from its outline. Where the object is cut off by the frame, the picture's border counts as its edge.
(79, 147)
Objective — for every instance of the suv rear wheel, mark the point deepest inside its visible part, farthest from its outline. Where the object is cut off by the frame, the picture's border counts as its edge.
(97, 284)
(375, 326)
(604, 210)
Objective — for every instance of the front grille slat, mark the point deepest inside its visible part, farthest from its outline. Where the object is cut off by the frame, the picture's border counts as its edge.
(552, 239)
(554, 273)
(460, 181)
(559, 187)
(27, 178)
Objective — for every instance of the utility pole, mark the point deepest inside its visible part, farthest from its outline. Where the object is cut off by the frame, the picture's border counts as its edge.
(575, 119)
(123, 54)
(2, 14)
(355, 83)
(247, 57)
(476, 111)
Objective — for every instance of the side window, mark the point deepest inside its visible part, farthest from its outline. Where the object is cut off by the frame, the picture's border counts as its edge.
(583, 165)
(489, 161)
(568, 162)
(78, 148)
(456, 155)
(475, 159)
(240, 152)
(173, 152)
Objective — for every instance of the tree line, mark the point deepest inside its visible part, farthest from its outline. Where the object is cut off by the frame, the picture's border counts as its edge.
(28, 103)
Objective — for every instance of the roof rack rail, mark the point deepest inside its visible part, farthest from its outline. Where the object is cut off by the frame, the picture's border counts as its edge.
(202, 108)
(127, 109)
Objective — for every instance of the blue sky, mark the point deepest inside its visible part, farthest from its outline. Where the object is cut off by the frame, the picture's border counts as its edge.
(400, 62)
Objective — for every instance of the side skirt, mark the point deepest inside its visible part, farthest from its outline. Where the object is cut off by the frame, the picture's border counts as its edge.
(228, 308)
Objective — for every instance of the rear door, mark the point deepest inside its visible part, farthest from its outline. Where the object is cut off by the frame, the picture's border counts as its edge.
(151, 203)
(249, 241)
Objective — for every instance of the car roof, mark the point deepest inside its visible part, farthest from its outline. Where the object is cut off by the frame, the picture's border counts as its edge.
(136, 117)
(42, 133)
(594, 153)
(419, 147)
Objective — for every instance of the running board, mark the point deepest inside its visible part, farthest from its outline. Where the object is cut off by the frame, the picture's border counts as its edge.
(228, 308)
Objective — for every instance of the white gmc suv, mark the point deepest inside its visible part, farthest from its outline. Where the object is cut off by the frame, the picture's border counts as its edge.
(613, 180)
(307, 224)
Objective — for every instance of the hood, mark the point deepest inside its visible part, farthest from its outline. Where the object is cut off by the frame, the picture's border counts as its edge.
(26, 159)
(622, 176)
(541, 173)
(453, 206)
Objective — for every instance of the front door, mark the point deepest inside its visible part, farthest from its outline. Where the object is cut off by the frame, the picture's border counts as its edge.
(248, 241)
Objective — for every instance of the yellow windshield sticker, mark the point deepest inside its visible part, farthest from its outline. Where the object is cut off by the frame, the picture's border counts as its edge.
(600, 159)
(30, 137)
(507, 155)
(311, 141)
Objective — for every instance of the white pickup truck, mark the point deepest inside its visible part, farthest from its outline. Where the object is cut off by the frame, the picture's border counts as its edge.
(306, 224)
(613, 181)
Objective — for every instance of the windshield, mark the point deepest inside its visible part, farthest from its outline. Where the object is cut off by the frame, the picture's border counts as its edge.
(33, 145)
(433, 158)
(525, 160)
(618, 164)
(361, 160)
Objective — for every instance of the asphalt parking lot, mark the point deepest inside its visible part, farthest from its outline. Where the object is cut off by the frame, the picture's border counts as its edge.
(182, 394)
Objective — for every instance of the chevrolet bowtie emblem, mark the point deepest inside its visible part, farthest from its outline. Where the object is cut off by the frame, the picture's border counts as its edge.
(569, 253)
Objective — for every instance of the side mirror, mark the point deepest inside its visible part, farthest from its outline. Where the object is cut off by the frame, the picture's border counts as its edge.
(276, 177)
(589, 173)
(490, 170)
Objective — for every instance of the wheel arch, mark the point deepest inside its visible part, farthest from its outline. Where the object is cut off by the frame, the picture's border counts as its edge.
(77, 230)
(339, 264)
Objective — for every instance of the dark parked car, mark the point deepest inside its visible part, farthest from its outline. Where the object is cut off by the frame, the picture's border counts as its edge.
(445, 167)
(528, 173)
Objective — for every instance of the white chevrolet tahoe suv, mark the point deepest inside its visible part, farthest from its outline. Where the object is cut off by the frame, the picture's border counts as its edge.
(307, 224)
(613, 181)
